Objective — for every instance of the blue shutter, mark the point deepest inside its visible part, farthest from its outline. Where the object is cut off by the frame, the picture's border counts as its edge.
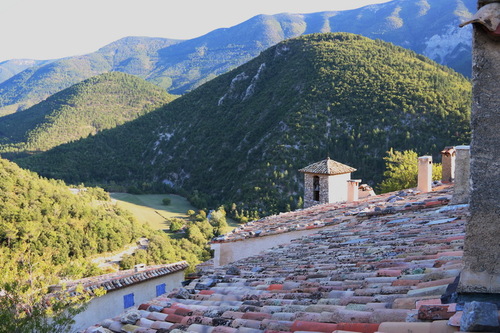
(160, 289)
(128, 301)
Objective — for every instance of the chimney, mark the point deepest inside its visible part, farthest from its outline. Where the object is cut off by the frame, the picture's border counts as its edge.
(353, 190)
(461, 191)
(448, 161)
(425, 174)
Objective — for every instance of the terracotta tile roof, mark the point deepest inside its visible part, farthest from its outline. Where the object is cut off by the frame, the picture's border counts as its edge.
(325, 215)
(327, 167)
(126, 278)
(379, 267)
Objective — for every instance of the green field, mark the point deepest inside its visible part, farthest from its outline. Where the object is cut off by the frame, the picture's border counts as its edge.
(148, 208)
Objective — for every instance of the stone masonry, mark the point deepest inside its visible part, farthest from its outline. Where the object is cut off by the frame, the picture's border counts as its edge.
(482, 246)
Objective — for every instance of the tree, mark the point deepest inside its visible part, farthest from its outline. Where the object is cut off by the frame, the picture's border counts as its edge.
(166, 201)
(401, 171)
(176, 225)
(195, 235)
(26, 306)
(218, 220)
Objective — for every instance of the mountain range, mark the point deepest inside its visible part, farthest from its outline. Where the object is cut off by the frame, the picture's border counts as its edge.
(429, 27)
(241, 137)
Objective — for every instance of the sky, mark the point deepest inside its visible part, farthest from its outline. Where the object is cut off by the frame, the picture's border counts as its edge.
(51, 29)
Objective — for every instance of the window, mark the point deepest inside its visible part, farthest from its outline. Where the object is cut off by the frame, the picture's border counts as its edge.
(316, 188)
(160, 289)
(128, 301)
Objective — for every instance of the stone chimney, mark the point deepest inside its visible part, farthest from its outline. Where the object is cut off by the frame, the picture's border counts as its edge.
(481, 274)
(461, 190)
(425, 174)
(448, 161)
(353, 190)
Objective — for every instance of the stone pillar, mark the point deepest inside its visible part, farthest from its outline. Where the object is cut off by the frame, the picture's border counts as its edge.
(353, 190)
(425, 174)
(448, 163)
(461, 190)
(481, 273)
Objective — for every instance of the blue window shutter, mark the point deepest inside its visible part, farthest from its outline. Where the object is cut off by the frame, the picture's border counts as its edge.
(160, 289)
(128, 301)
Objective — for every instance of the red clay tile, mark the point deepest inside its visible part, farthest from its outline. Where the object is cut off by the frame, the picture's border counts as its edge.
(431, 301)
(161, 325)
(168, 310)
(434, 312)
(275, 287)
(144, 306)
(183, 312)
(455, 319)
(389, 272)
(362, 328)
(435, 283)
(189, 320)
(158, 316)
(451, 239)
(256, 316)
(403, 282)
(312, 326)
(173, 318)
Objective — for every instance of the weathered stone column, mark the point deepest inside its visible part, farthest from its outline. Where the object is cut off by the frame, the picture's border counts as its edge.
(425, 174)
(482, 243)
(461, 190)
(448, 159)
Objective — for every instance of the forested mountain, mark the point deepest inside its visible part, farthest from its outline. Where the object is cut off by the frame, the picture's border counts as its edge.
(99, 103)
(429, 27)
(242, 137)
(43, 218)
(133, 55)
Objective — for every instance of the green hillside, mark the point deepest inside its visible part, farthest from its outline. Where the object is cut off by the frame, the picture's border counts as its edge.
(44, 217)
(49, 233)
(428, 27)
(10, 68)
(99, 103)
(132, 55)
(242, 137)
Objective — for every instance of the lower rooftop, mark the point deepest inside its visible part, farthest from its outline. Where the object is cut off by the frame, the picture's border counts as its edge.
(375, 270)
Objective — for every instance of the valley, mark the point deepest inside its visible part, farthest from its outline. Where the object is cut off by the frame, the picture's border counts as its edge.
(145, 150)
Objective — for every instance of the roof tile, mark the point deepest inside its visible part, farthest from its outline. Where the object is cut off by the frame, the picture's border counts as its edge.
(327, 167)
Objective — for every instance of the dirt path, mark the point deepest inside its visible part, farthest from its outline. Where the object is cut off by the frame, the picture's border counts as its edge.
(115, 258)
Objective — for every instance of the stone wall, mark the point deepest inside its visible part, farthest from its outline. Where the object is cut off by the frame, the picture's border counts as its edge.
(332, 189)
(481, 273)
